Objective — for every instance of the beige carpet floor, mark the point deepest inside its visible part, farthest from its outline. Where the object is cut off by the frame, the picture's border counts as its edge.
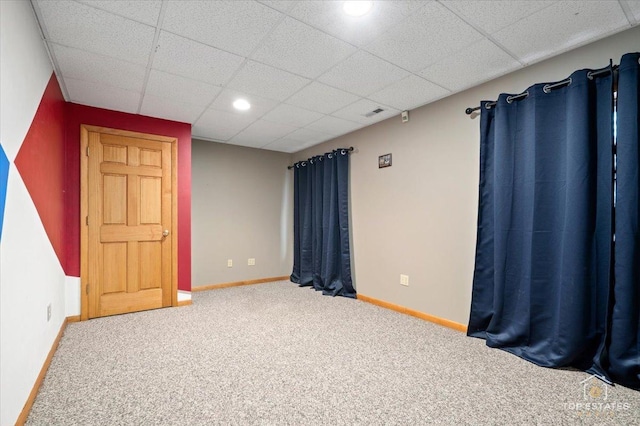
(276, 354)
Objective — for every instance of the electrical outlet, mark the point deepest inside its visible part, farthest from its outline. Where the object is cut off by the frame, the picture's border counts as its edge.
(404, 279)
(49, 312)
(251, 262)
(229, 263)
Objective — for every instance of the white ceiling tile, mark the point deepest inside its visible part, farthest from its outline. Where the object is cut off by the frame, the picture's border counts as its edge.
(234, 26)
(261, 133)
(286, 145)
(357, 111)
(322, 98)
(180, 89)
(309, 136)
(409, 93)
(560, 27)
(168, 109)
(83, 27)
(146, 11)
(329, 16)
(301, 49)
(305, 146)
(479, 62)
(363, 74)
(333, 126)
(87, 66)
(492, 16)
(259, 106)
(102, 96)
(188, 58)
(281, 5)
(220, 125)
(306, 80)
(266, 81)
(291, 115)
(430, 34)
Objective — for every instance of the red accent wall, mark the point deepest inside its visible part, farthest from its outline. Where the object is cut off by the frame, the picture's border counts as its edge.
(80, 114)
(41, 164)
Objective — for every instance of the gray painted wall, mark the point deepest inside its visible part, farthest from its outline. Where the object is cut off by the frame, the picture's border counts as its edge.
(418, 217)
(242, 208)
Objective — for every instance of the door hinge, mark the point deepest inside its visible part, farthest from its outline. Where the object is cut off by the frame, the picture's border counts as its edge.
(87, 151)
(86, 220)
(87, 289)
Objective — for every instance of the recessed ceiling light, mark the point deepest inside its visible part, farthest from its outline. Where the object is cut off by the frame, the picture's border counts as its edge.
(357, 8)
(241, 104)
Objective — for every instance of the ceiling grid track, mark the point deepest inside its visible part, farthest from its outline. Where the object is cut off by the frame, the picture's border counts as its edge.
(486, 34)
(152, 54)
(627, 12)
(48, 48)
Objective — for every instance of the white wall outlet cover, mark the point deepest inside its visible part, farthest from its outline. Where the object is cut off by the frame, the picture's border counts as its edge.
(404, 279)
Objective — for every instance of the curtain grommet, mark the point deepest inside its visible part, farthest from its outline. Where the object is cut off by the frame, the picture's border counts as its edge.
(548, 87)
(522, 95)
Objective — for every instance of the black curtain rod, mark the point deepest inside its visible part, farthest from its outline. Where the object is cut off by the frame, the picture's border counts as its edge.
(350, 149)
(547, 87)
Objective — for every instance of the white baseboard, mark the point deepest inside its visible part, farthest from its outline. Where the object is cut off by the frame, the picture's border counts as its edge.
(183, 296)
(72, 296)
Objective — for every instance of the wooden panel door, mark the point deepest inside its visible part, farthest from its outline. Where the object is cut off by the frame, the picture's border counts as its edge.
(130, 185)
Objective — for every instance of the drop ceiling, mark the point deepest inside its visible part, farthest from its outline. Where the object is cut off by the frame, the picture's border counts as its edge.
(310, 72)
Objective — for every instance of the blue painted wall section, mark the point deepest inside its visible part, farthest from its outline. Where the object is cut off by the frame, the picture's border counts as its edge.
(4, 175)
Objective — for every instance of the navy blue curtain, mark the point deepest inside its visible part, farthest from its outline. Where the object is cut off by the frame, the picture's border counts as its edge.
(624, 347)
(541, 279)
(321, 247)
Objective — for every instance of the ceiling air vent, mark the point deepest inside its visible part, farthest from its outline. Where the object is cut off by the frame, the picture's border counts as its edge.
(374, 112)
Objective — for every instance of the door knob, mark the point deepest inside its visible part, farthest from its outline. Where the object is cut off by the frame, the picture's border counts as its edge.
(165, 233)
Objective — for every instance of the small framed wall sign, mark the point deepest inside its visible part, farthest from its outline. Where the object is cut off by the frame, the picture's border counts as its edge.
(384, 161)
